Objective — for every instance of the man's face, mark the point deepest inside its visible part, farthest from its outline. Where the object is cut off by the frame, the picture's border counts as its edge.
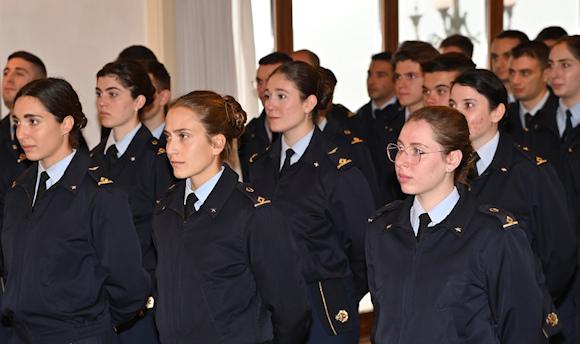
(262, 75)
(17, 73)
(437, 87)
(500, 53)
(380, 83)
(527, 79)
(409, 83)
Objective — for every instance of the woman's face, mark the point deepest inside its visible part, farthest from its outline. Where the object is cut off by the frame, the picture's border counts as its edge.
(564, 74)
(481, 119)
(41, 136)
(430, 176)
(115, 104)
(191, 152)
(286, 111)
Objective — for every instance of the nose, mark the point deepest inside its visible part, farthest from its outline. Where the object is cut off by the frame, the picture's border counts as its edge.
(21, 132)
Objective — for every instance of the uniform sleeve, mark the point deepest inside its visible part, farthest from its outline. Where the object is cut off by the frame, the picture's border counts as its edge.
(352, 205)
(127, 283)
(556, 244)
(276, 268)
(515, 298)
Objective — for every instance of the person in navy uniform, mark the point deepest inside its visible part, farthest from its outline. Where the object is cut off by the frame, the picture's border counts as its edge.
(323, 194)
(227, 271)
(517, 180)
(72, 259)
(131, 156)
(442, 268)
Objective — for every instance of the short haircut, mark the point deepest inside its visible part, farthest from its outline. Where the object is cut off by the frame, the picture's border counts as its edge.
(274, 58)
(462, 42)
(551, 33)
(35, 60)
(137, 52)
(415, 51)
(386, 56)
(449, 62)
(159, 72)
(514, 34)
(534, 49)
(311, 55)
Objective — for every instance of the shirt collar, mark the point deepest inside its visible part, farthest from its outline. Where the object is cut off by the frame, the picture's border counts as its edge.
(157, 132)
(55, 172)
(437, 214)
(534, 110)
(322, 123)
(203, 191)
(124, 143)
(374, 106)
(299, 148)
(486, 153)
(561, 115)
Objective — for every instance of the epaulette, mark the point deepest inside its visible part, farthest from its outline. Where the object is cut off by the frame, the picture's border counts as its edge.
(385, 208)
(256, 199)
(356, 140)
(506, 219)
(530, 154)
(255, 156)
(340, 161)
(96, 175)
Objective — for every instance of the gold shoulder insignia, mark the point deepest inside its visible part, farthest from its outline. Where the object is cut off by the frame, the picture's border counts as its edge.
(154, 142)
(341, 316)
(350, 114)
(161, 151)
(332, 151)
(21, 158)
(150, 302)
(104, 181)
(507, 220)
(525, 149)
(249, 189)
(540, 160)
(342, 162)
(552, 319)
(172, 186)
(261, 201)
(356, 140)
(346, 132)
(94, 168)
(13, 184)
(253, 157)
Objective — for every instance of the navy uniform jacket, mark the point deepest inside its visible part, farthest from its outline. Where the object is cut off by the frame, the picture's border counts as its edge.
(386, 129)
(328, 201)
(143, 173)
(73, 264)
(254, 140)
(341, 135)
(227, 274)
(467, 281)
(531, 190)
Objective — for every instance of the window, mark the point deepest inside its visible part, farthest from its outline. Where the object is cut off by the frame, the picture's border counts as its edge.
(524, 15)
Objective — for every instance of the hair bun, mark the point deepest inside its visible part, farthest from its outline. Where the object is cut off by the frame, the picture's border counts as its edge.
(236, 116)
(83, 121)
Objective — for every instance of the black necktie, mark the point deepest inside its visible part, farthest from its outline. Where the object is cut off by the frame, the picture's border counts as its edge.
(189, 204)
(424, 220)
(286, 165)
(528, 120)
(568, 131)
(474, 173)
(41, 186)
(112, 155)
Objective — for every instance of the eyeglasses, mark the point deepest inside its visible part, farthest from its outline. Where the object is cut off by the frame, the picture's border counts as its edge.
(413, 153)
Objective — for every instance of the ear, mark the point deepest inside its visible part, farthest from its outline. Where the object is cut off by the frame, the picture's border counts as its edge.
(452, 160)
(309, 103)
(67, 125)
(164, 97)
(497, 113)
(218, 143)
(139, 102)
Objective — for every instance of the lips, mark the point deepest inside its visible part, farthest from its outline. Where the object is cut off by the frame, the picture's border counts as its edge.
(403, 178)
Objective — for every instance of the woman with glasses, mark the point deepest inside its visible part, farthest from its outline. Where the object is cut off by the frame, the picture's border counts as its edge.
(325, 197)
(441, 267)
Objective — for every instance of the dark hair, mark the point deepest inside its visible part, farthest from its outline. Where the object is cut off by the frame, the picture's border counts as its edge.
(61, 100)
(485, 83)
(463, 43)
(219, 115)
(306, 79)
(137, 52)
(311, 55)
(416, 51)
(274, 58)
(449, 62)
(534, 49)
(35, 60)
(572, 43)
(551, 33)
(327, 83)
(514, 34)
(382, 56)
(159, 72)
(451, 131)
(132, 76)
